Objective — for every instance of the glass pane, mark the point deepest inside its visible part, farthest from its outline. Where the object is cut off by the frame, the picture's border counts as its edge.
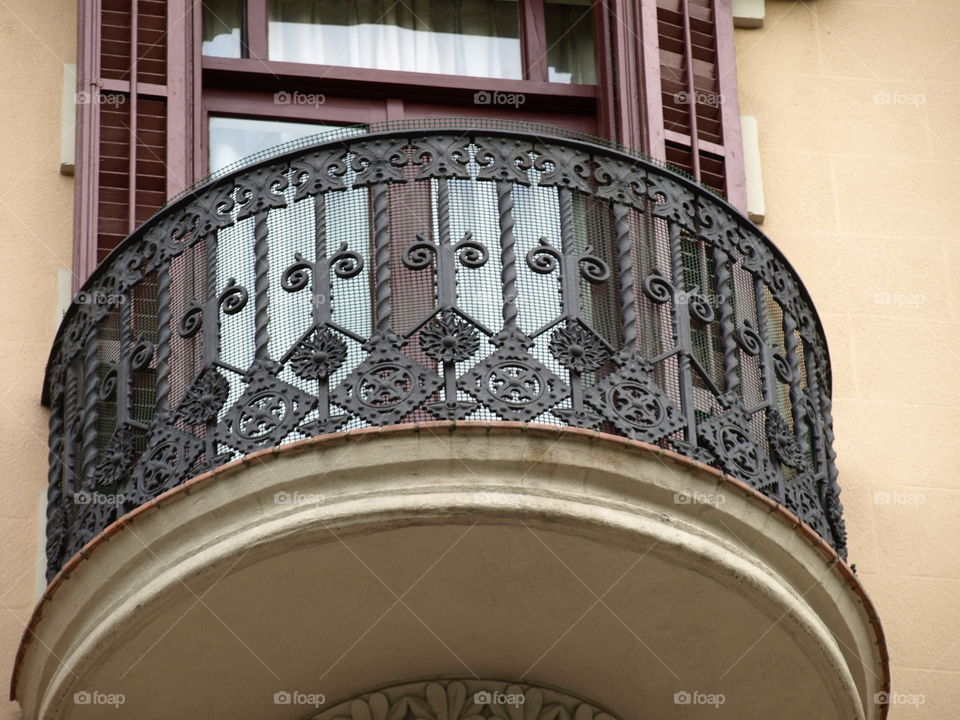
(479, 38)
(222, 27)
(570, 41)
(232, 139)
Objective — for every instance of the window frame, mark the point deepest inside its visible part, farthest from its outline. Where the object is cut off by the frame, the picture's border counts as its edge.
(254, 40)
(624, 106)
(243, 87)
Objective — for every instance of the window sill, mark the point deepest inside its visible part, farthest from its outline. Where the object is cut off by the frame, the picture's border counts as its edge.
(253, 74)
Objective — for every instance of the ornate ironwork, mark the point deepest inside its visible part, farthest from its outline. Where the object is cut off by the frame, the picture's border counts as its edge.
(641, 305)
(319, 357)
(204, 398)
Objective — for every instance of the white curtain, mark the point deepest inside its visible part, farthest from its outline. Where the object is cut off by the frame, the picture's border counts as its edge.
(478, 38)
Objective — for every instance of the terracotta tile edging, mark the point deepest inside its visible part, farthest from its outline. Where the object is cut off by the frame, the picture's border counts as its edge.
(359, 434)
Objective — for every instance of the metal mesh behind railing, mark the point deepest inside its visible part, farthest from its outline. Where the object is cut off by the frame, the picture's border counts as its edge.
(437, 273)
(491, 124)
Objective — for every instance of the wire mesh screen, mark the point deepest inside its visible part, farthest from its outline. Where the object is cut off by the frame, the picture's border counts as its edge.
(387, 277)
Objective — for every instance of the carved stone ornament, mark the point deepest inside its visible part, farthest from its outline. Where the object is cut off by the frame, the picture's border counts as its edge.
(468, 699)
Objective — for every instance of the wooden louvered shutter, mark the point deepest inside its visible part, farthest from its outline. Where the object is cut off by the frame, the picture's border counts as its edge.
(698, 90)
(668, 86)
(135, 79)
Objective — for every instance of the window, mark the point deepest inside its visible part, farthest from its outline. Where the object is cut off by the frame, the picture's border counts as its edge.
(611, 68)
(569, 25)
(478, 38)
(232, 139)
(548, 41)
(222, 28)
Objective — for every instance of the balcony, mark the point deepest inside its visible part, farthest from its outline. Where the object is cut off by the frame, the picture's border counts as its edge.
(401, 275)
(377, 339)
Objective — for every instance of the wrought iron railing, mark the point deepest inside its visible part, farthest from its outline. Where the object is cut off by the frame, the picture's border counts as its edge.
(403, 275)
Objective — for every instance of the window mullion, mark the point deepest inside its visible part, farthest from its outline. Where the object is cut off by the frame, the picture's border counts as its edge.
(533, 40)
(257, 18)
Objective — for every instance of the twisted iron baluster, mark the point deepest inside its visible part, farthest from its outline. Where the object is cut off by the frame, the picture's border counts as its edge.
(321, 291)
(56, 515)
(70, 450)
(508, 255)
(381, 244)
(211, 332)
(569, 287)
(446, 286)
(124, 371)
(91, 397)
(322, 294)
(163, 337)
(261, 287)
(728, 324)
(796, 393)
(682, 329)
(765, 357)
(628, 291)
(830, 456)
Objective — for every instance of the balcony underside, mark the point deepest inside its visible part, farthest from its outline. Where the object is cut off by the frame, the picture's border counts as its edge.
(591, 564)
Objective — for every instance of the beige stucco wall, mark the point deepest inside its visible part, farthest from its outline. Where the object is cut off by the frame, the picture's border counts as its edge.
(36, 220)
(857, 103)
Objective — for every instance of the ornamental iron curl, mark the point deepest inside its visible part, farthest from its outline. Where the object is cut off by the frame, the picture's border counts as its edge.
(654, 312)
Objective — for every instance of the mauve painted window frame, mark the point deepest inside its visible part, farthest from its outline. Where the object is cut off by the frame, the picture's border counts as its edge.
(624, 106)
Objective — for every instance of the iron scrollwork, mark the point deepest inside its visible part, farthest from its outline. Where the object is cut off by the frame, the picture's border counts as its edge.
(604, 320)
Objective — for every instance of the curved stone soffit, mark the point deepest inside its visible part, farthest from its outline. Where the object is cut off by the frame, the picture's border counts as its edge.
(467, 699)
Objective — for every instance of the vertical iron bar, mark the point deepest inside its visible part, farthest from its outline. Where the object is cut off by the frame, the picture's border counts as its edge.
(124, 371)
(321, 275)
(817, 451)
(91, 397)
(211, 332)
(796, 394)
(446, 280)
(508, 254)
(56, 515)
(569, 283)
(322, 291)
(70, 420)
(261, 287)
(381, 244)
(163, 337)
(445, 265)
(684, 340)
(765, 357)
(72, 479)
(628, 291)
(728, 324)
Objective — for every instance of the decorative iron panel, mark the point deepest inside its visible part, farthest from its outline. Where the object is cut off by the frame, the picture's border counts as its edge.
(398, 275)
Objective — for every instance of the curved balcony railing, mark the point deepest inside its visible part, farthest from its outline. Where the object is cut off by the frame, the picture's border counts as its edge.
(398, 274)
